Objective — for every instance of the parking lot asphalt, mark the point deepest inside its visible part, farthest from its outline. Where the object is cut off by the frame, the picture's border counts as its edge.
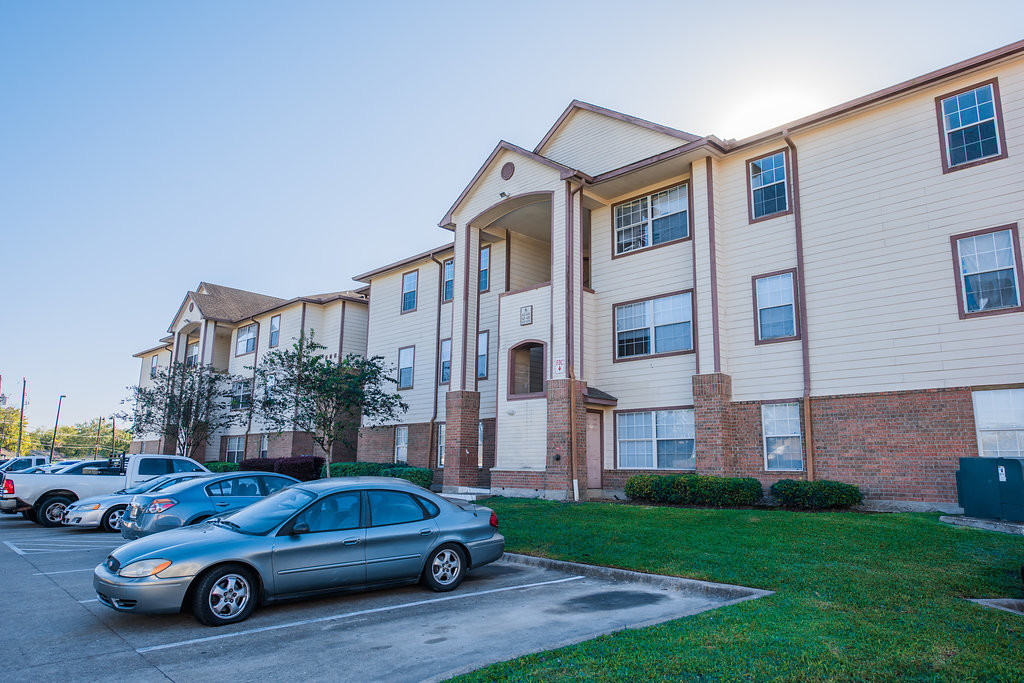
(57, 630)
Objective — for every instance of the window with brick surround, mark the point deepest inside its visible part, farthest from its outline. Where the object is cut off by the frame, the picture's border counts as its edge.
(440, 445)
(152, 366)
(999, 419)
(448, 286)
(783, 444)
(406, 357)
(775, 307)
(409, 284)
(275, 331)
(988, 271)
(235, 451)
(446, 361)
(767, 183)
(264, 445)
(245, 341)
(971, 126)
(653, 219)
(402, 443)
(654, 326)
(480, 444)
(656, 439)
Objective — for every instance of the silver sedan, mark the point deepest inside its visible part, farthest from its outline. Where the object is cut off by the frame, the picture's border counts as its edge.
(106, 511)
(311, 538)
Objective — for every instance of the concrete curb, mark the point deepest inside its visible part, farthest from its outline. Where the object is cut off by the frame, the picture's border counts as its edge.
(1015, 528)
(725, 591)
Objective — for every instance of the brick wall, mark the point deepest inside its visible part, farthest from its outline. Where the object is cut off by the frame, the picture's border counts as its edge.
(559, 476)
(152, 446)
(462, 411)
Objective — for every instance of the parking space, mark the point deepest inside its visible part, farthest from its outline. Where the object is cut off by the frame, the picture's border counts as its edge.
(501, 611)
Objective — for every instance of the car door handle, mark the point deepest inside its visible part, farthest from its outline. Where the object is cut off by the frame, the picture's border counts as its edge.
(351, 541)
(222, 505)
(426, 532)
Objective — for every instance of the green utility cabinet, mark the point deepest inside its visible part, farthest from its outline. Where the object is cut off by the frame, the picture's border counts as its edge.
(991, 488)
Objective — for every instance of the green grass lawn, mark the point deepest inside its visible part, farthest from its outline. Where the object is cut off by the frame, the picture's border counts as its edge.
(857, 596)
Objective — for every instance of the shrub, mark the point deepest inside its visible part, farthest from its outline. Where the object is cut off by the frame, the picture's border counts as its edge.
(222, 466)
(257, 465)
(421, 476)
(816, 495)
(303, 467)
(694, 489)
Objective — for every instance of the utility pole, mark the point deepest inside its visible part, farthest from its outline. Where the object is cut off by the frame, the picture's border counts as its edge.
(56, 422)
(99, 426)
(21, 415)
(113, 435)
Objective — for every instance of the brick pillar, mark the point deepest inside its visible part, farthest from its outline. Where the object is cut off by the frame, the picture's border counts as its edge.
(558, 451)
(712, 394)
(462, 416)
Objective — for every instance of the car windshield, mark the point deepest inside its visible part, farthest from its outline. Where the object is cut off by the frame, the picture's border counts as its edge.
(266, 514)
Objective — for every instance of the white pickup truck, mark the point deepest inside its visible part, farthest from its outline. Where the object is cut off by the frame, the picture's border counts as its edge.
(42, 498)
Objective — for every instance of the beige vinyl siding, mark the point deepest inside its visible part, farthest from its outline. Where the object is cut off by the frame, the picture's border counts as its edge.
(878, 213)
(356, 318)
(531, 261)
(766, 371)
(594, 143)
(488, 320)
(522, 436)
(636, 383)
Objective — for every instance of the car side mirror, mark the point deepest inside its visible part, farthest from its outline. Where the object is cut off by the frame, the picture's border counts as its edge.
(300, 528)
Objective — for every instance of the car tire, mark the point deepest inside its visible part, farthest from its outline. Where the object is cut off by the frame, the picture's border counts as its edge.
(445, 568)
(216, 599)
(30, 515)
(50, 511)
(111, 521)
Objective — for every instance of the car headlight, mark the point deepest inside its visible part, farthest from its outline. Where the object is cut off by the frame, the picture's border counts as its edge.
(94, 506)
(142, 568)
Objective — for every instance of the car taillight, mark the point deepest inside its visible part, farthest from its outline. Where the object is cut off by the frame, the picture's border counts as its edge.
(494, 519)
(9, 486)
(161, 504)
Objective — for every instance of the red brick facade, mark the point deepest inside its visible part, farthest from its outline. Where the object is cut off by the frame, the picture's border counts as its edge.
(285, 445)
(462, 410)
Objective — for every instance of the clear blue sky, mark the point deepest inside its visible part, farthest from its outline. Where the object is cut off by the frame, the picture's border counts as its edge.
(283, 147)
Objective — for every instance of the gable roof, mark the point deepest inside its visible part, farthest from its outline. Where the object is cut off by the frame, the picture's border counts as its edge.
(217, 302)
(367, 276)
(611, 113)
(564, 170)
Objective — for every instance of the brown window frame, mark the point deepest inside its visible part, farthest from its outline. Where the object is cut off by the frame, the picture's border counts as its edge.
(615, 438)
(1000, 131)
(511, 365)
(487, 357)
(649, 247)
(444, 280)
(750, 189)
(416, 292)
(796, 307)
(255, 337)
(412, 366)
(270, 332)
(479, 269)
(964, 314)
(440, 362)
(666, 354)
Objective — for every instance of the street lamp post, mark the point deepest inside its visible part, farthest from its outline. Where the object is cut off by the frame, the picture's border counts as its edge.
(56, 422)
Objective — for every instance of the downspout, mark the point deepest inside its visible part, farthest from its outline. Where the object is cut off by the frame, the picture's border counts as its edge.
(802, 296)
(437, 352)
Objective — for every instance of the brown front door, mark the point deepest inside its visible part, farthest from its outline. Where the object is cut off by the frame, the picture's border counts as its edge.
(595, 449)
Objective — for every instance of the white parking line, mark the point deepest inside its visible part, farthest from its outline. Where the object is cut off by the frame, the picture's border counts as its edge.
(28, 547)
(66, 571)
(93, 600)
(333, 617)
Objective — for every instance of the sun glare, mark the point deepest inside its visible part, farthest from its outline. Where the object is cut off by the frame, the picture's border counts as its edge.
(756, 110)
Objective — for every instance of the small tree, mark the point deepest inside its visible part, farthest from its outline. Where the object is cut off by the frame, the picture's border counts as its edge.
(300, 389)
(186, 404)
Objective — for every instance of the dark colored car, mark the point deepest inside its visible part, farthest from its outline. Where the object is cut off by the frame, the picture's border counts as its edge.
(310, 538)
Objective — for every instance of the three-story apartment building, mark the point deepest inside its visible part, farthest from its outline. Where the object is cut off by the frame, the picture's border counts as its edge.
(230, 330)
(836, 298)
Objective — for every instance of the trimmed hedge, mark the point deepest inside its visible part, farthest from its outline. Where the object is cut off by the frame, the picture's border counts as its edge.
(694, 489)
(257, 465)
(302, 467)
(816, 495)
(421, 476)
(217, 466)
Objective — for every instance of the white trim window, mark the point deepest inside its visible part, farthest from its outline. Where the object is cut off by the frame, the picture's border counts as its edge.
(988, 271)
(776, 312)
(275, 331)
(783, 443)
(264, 445)
(446, 361)
(241, 395)
(657, 439)
(235, 450)
(768, 194)
(969, 124)
(481, 354)
(667, 321)
(651, 220)
(480, 445)
(448, 282)
(192, 355)
(245, 341)
(153, 362)
(409, 284)
(406, 357)
(999, 420)
(440, 445)
(142, 448)
(402, 443)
